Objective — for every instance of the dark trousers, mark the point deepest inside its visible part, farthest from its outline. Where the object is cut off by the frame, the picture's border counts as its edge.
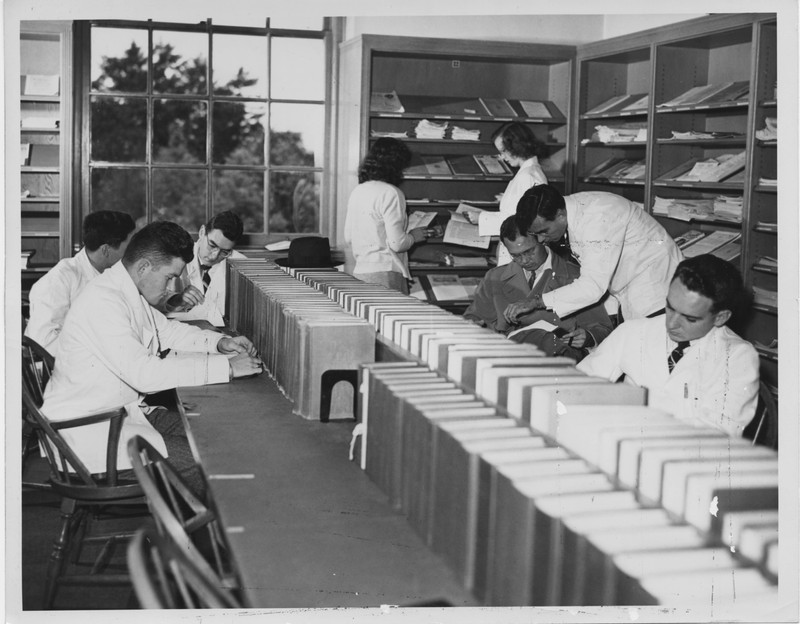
(169, 424)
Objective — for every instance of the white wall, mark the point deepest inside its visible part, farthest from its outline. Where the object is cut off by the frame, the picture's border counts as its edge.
(572, 29)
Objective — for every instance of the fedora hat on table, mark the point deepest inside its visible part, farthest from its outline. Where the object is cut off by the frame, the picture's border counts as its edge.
(308, 252)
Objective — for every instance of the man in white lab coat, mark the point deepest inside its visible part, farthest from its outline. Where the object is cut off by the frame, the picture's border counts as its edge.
(116, 347)
(693, 365)
(201, 287)
(106, 234)
(621, 249)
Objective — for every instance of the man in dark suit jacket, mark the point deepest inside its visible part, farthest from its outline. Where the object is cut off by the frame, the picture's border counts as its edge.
(536, 269)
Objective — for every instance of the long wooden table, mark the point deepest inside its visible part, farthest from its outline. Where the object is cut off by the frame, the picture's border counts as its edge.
(306, 526)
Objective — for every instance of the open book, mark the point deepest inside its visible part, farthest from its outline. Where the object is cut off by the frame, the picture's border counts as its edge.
(537, 325)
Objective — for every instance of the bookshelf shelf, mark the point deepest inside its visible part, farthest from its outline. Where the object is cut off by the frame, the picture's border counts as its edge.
(46, 54)
(765, 308)
(767, 354)
(763, 269)
(731, 58)
(617, 144)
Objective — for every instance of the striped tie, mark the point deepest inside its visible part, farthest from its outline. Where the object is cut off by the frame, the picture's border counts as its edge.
(206, 276)
(676, 355)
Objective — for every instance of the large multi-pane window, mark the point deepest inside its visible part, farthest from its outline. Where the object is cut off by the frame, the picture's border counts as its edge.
(183, 121)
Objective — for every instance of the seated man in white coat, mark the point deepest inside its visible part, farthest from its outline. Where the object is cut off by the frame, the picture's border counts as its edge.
(622, 251)
(114, 346)
(201, 286)
(106, 234)
(692, 364)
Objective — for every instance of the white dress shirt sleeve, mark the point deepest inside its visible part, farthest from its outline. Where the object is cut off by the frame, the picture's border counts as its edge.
(118, 344)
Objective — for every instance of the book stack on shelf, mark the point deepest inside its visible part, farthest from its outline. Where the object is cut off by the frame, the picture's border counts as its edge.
(622, 104)
(706, 95)
(697, 135)
(430, 130)
(765, 297)
(463, 134)
(719, 169)
(767, 264)
(719, 208)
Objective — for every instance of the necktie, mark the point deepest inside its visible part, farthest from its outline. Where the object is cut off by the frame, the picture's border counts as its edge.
(206, 276)
(676, 355)
(566, 249)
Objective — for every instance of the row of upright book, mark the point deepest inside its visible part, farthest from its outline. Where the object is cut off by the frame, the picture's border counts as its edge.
(504, 108)
(540, 485)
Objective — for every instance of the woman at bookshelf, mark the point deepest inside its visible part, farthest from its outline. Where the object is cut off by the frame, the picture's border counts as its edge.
(518, 146)
(376, 221)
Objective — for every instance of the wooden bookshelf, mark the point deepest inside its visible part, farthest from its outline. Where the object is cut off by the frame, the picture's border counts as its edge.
(45, 112)
(729, 52)
(476, 86)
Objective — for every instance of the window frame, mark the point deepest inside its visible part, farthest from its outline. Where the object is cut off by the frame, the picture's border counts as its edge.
(330, 35)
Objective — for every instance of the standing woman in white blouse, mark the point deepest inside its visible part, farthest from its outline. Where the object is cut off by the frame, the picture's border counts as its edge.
(519, 147)
(376, 221)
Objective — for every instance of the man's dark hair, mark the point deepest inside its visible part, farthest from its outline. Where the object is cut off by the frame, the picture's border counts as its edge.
(714, 278)
(509, 230)
(542, 201)
(160, 242)
(106, 227)
(520, 141)
(228, 223)
(385, 162)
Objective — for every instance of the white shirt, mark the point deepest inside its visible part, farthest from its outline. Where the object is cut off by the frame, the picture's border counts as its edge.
(52, 295)
(529, 174)
(622, 250)
(714, 384)
(213, 307)
(108, 359)
(375, 228)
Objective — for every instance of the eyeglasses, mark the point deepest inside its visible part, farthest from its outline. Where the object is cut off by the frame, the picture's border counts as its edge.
(216, 248)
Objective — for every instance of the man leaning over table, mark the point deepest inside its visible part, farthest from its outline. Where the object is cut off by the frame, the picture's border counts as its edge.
(116, 347)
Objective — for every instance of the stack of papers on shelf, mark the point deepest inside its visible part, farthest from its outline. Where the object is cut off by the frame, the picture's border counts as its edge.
(26, 256)
(770, 131)
(710, 243)
(693, 135)
(462, 134)
(430, 130)
(393, 135)
(621, 133)
(762, 181)
(766, 297)
(386, 103)
(688, 209)
(714, 169)
(728, 208)
(767, 226)
(710, 94)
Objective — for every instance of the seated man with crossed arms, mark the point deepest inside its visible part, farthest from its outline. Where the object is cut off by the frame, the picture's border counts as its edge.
(535, 269)
(692, 364)
(114, 346)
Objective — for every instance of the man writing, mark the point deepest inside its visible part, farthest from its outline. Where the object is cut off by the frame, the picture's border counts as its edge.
(116, 347)
(535, 270)
(692, 364)
(106, 234)
(622, 250)
(201, 290)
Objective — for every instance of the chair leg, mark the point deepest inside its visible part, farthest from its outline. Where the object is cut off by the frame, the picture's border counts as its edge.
(60, 548)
